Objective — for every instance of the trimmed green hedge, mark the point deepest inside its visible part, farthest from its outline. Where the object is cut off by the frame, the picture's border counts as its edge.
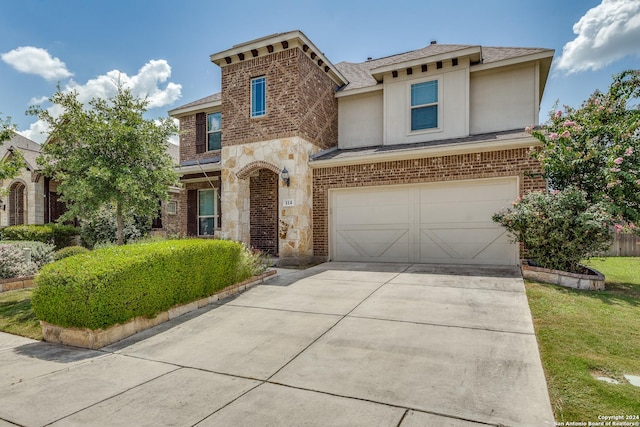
(59, 235)
(113, 285)
(69, 251)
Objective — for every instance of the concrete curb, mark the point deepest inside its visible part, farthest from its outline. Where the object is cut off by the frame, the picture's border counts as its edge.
(96, 339)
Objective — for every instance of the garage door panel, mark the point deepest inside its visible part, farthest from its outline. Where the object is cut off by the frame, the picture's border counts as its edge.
(372, 215)
(373, 244)
(374, 198)
(447, 222)
(459, 212)
(468, 245)
(470, 192)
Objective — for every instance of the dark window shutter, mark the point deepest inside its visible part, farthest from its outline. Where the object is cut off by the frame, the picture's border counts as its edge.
(157, 221)
(219, 205)
(192, 212)
(201, 132)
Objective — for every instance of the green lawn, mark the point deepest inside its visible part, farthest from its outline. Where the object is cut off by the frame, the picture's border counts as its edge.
(16, 315)
(585, 334)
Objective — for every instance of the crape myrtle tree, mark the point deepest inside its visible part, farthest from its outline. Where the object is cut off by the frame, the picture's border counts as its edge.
(106, 153)
(9, 167)
(596, 148)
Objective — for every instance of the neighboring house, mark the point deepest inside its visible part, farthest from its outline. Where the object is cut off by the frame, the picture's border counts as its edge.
(399, 159)
(30, 197)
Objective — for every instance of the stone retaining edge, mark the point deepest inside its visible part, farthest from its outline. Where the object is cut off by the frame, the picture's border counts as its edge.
(96, 339)
(591, 282)
(17, 283)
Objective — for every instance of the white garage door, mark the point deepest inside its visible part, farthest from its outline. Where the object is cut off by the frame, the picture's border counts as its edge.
(427, 223)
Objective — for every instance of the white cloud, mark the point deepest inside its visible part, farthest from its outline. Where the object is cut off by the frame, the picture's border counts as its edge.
(606, 33)
(38, 101)
(146, 83)
(37, 132)
(34, 60)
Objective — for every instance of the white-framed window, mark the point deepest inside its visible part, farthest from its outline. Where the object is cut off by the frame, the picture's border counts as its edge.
(258, 96)
(424, 105)
(172, 207)
(207, 212)
(214, 131)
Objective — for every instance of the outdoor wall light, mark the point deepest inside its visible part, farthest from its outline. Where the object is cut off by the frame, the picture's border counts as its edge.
(286, 180)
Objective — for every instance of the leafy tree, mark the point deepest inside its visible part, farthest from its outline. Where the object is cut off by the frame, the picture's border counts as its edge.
(596, 148)
(9, 167)
(107, 153)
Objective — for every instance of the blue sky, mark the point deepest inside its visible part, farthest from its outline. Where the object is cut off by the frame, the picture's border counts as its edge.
(162, 48)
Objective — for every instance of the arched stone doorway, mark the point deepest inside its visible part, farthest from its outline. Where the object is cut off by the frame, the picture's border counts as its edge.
(17, 204)
(263, 206)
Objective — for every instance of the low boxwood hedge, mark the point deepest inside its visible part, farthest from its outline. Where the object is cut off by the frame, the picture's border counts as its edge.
(69, 251)
(113, 285)
(56, 234)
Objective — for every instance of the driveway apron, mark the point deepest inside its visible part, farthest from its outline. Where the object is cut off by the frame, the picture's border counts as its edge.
(350, 344)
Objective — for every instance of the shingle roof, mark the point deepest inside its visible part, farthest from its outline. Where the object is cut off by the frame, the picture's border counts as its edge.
(30, 150)
(359, 74)
(398, 148)
(202, 101)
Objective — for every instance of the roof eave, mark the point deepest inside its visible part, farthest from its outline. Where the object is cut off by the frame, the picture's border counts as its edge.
(244, 48)
(546, 54)
(207, 167)
(432, 151)
(182, 111)
(358, 91)
(377, 73)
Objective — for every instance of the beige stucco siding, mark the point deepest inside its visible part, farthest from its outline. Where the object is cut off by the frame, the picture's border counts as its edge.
(504, 99)
(360, 120)
(453, 105)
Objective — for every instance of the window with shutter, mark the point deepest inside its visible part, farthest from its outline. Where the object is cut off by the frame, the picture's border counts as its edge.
(201, 132)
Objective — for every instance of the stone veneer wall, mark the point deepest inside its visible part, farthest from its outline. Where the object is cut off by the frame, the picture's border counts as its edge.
(492, 164)
(295, 221)
(300, 101)
(35, 198)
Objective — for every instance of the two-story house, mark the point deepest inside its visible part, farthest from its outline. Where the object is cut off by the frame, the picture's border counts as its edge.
(403, 158)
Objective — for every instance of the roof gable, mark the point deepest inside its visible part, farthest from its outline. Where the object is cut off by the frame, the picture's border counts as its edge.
(363, 74)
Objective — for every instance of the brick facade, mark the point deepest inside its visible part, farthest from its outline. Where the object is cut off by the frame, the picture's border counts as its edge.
(188, 141)
(264, 211)
(176, 225)
(300, 101)
(492, 164)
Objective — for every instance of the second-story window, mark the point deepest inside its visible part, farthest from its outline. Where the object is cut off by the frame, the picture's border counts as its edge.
(214, 131)
(258, 96)
(424, 105)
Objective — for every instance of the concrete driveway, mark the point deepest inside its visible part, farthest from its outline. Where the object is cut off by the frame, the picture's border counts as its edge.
(340, 344)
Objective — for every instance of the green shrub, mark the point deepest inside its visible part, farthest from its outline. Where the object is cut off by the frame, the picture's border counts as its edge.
(41, 253)
(100, 228)
(113, 285)
(58, 235)
(64, 235)
(69, 251)
(12, 263)
(252, 262)
(558, 229)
